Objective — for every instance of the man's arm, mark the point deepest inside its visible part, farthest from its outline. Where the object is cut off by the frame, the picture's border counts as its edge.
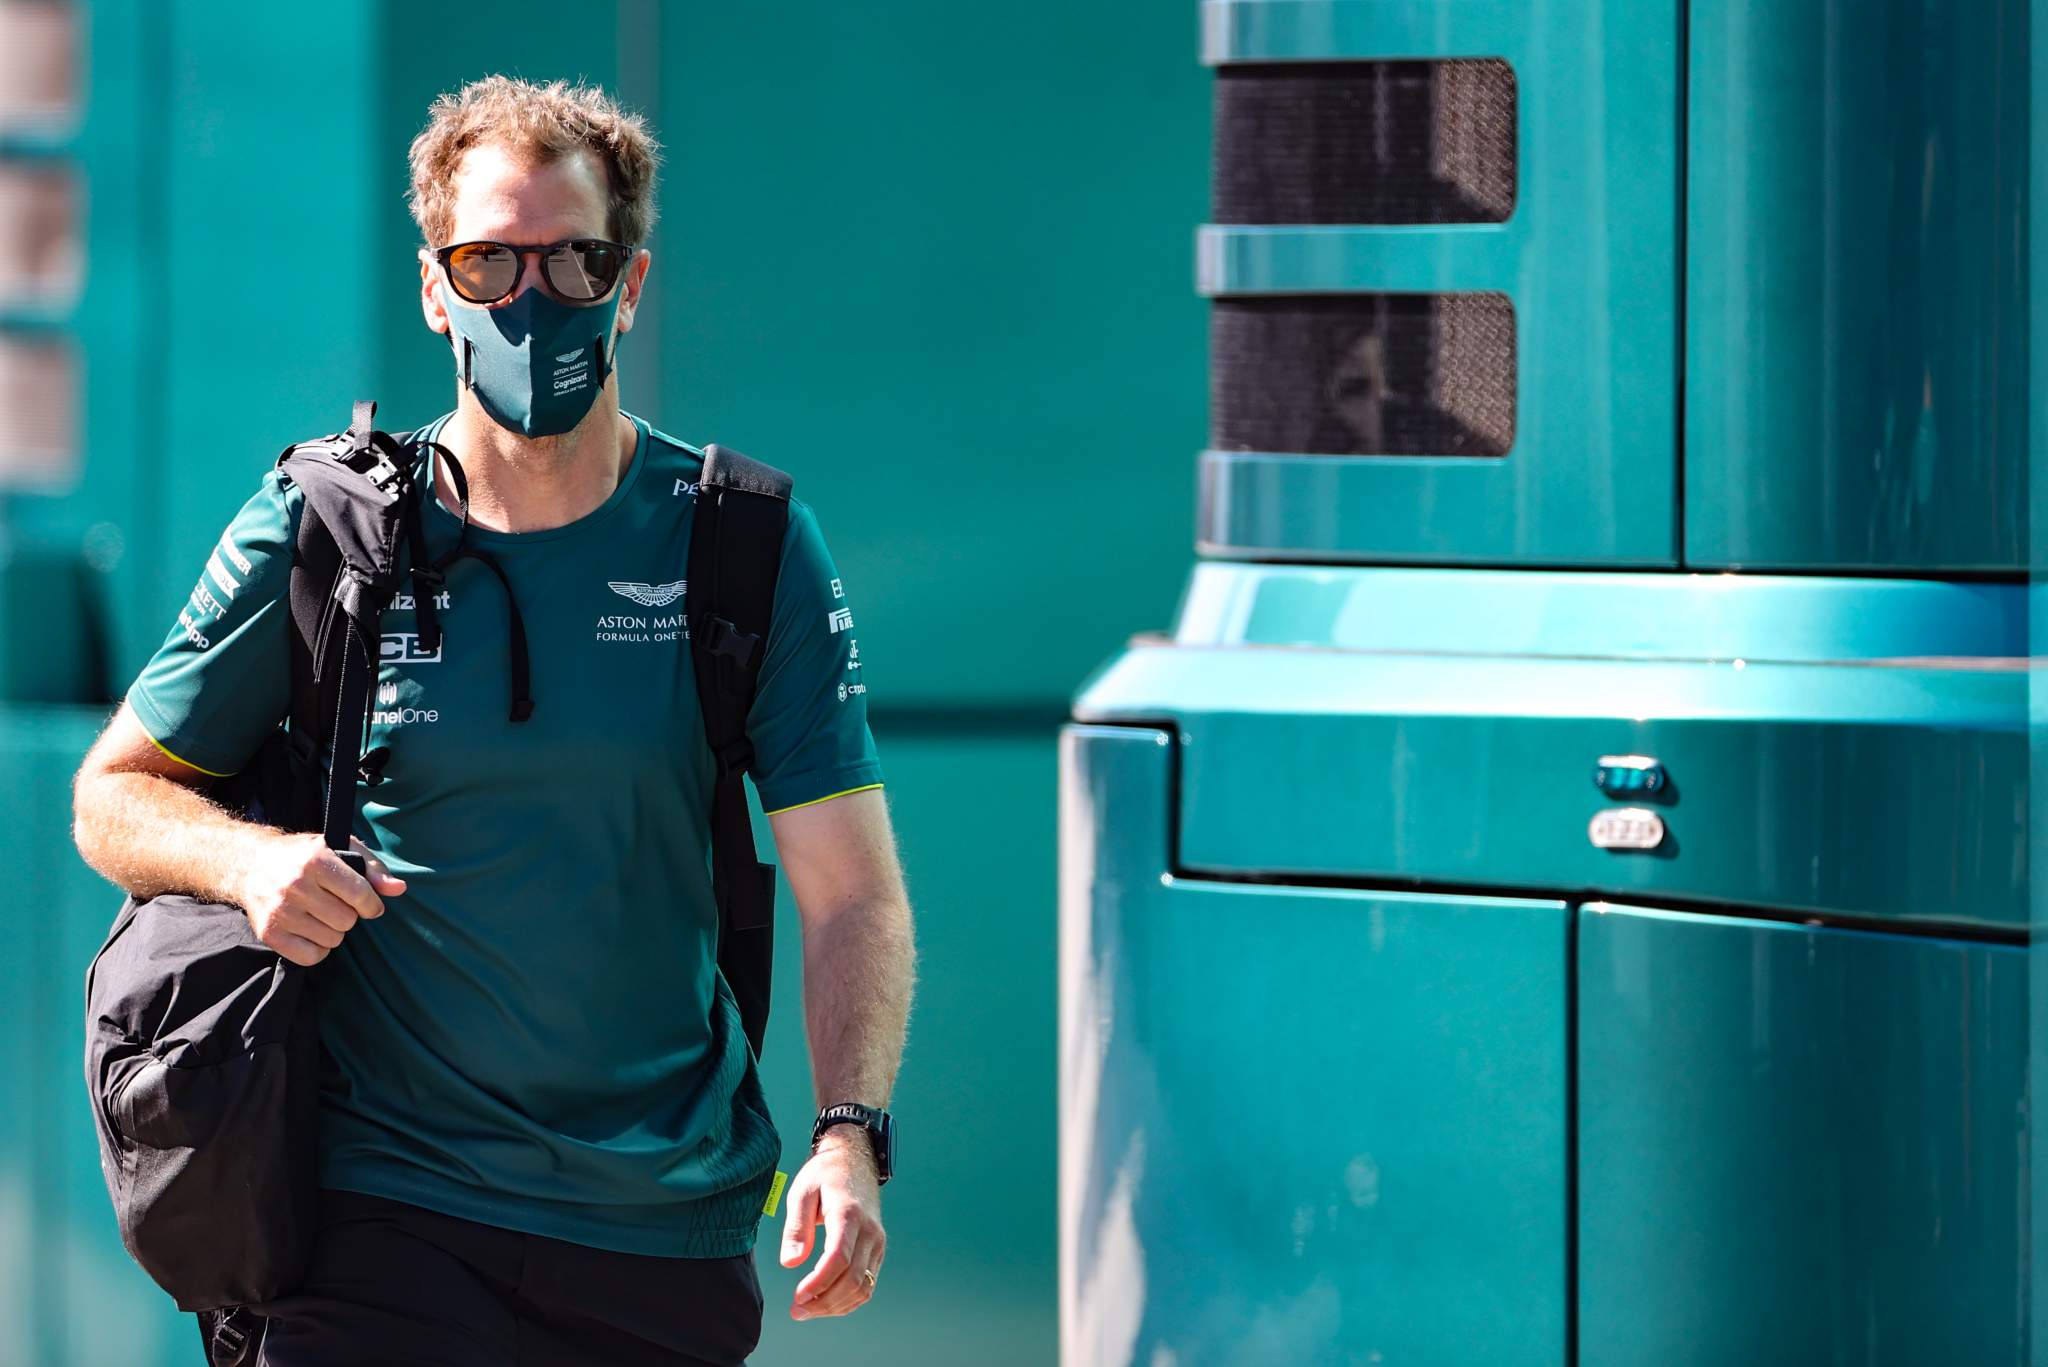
(139, 819)
(859, 964)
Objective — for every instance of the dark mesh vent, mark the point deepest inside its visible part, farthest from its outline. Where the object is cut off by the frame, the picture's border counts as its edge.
(1365, 142)
(1364, 375)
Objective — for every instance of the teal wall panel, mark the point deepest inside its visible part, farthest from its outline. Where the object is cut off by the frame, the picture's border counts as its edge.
(69, 1296)
(1856, 305)
(2037, 711)
(1298, 1125)
(252, 273)
(934, 260)
(1798, 1145)
(971, 1221)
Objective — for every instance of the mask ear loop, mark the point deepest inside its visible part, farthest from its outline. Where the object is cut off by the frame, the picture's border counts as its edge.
(455, 476)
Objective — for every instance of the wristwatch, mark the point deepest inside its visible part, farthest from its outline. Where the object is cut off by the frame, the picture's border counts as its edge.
(881, 1133)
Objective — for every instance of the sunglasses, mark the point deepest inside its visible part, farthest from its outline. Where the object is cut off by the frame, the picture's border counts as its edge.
(580, 270)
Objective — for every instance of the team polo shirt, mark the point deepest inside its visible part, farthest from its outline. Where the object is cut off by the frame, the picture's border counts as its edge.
(534, 1035)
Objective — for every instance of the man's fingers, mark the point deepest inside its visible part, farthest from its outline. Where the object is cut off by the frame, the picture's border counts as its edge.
(320, 907)
(802, 1220)
(306, 926)
(297, 948)
(852, 1289)
(822, 1290)
(347, 887)
(383, 881)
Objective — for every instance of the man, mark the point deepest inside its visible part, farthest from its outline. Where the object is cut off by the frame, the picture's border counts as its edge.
(543, 1136)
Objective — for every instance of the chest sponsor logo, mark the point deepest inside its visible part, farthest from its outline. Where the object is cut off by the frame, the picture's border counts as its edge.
(390, 712)
(404, 648)
(648, 595)
(839, 619)
(683, 486)
(644, 627)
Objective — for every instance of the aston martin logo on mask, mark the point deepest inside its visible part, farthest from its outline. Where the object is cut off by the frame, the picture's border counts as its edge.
(649, 595)
(569, 356)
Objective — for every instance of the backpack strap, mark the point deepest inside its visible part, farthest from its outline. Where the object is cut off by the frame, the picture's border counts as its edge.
(345, 568)
(735, 556)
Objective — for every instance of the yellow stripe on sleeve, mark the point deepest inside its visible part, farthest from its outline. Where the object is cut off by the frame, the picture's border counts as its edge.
(865, 787)
(174, 755)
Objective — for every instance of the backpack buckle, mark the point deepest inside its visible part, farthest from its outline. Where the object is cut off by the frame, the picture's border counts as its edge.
(726, 641)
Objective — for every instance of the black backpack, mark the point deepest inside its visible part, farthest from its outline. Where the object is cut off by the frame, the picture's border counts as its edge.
(202, 1050)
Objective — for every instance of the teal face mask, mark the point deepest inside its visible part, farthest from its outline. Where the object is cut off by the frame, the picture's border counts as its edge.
(535, 364)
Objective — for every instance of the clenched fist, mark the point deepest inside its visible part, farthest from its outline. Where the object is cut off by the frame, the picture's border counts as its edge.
(301, 899)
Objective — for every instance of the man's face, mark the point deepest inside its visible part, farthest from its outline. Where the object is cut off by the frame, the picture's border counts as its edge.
(501, 196)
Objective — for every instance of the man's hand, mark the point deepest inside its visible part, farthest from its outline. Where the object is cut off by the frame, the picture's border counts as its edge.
(838, 1188)
(301, 899)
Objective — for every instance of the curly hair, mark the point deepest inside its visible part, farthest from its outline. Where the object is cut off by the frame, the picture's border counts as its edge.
(548, 122)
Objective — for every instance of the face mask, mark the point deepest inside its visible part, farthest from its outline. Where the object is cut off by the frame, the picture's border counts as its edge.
(536, 364)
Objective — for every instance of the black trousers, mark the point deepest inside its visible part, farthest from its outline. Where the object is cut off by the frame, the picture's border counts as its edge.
(393, 1283)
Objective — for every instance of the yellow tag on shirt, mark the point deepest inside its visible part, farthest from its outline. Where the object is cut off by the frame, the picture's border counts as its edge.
(775, 1192)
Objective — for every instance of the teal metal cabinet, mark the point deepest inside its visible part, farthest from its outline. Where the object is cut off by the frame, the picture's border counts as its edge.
(1798, 1145)
(1587, 258)
(1856, 292)
(1822, 764)
(1298, 1125)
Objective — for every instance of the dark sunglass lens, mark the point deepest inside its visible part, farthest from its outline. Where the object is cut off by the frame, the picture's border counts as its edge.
(583, 270)
(483, 272)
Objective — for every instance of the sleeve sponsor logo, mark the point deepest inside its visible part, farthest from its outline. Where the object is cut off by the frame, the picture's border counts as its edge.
(839, 619)
(204, 603)
(218, 572)
(838, 591)
(235, 557)
(227, 573)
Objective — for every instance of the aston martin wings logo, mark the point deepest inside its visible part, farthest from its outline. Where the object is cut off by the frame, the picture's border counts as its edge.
(649, 595)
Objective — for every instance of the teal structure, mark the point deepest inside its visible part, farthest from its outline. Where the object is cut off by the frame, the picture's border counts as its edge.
(1573, 907)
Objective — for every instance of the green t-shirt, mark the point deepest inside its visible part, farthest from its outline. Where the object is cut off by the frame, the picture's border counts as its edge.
(534, 1035)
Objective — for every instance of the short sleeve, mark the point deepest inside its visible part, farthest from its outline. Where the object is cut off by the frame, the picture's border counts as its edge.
(809, 722)
(222, 678)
